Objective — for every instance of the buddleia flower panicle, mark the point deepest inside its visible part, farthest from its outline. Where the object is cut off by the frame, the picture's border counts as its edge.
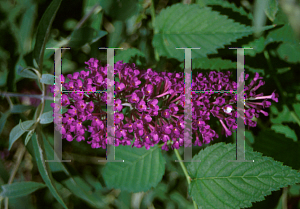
(154, 103)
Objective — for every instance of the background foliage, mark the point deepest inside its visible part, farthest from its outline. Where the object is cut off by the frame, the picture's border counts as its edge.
(148, 31)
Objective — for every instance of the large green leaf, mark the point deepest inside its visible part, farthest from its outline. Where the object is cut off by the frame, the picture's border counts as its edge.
(184, 25)
(225, 4)
(141, 169)
(17, 131)
(19, 189)
(43, 31)
(217, 183)
(211, 64)
(40, 157)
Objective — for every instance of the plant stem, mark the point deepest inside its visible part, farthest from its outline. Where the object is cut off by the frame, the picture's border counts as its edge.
(188, 178)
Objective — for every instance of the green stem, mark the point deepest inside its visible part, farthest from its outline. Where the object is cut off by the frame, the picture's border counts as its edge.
(188, 178)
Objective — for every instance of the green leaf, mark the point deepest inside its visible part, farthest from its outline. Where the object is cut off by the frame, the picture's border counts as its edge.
(43, 31)
(3, 119)
(46, 117)
(120, 9)
(73, 183)
(17, 131)
(284, 32)
(211, 64)
(28, 137)
(20, 108)
(141, 169)
(40, 157)
(226, 4)
(126, 55)
(85, 35)
(286, 130)
(258, 46)
(284, 116)
(271, 9)
(218, 183)
(289, 52)
(26, 73)
(19, 189)
(47, 79)
(182, 25)
(26, 27)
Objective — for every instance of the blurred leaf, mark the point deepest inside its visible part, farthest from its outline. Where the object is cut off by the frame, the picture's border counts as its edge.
(21, 108)
(3, 119)
(181, 201)
(271, 9)
(26, 28)
(284, 32)
(47, 79)
(47, 117)
(141, 169)
(226, 4)
(284, 116)
(294, 190)
(17, 131)
(115, 37)
(211, 64)
(26, 73)
(85, 35)
(219, 183)
(286, 130)
(120, 9)
(19, 189)
(126, 55)
(289, 52)
(259, 17)
(202, 28)
(279, 147)
(3, 75)
(43, 31)
(40, 157)
(73, 183)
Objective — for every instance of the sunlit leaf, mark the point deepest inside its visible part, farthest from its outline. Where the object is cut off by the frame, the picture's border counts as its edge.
(141, 169)
(218, 183)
